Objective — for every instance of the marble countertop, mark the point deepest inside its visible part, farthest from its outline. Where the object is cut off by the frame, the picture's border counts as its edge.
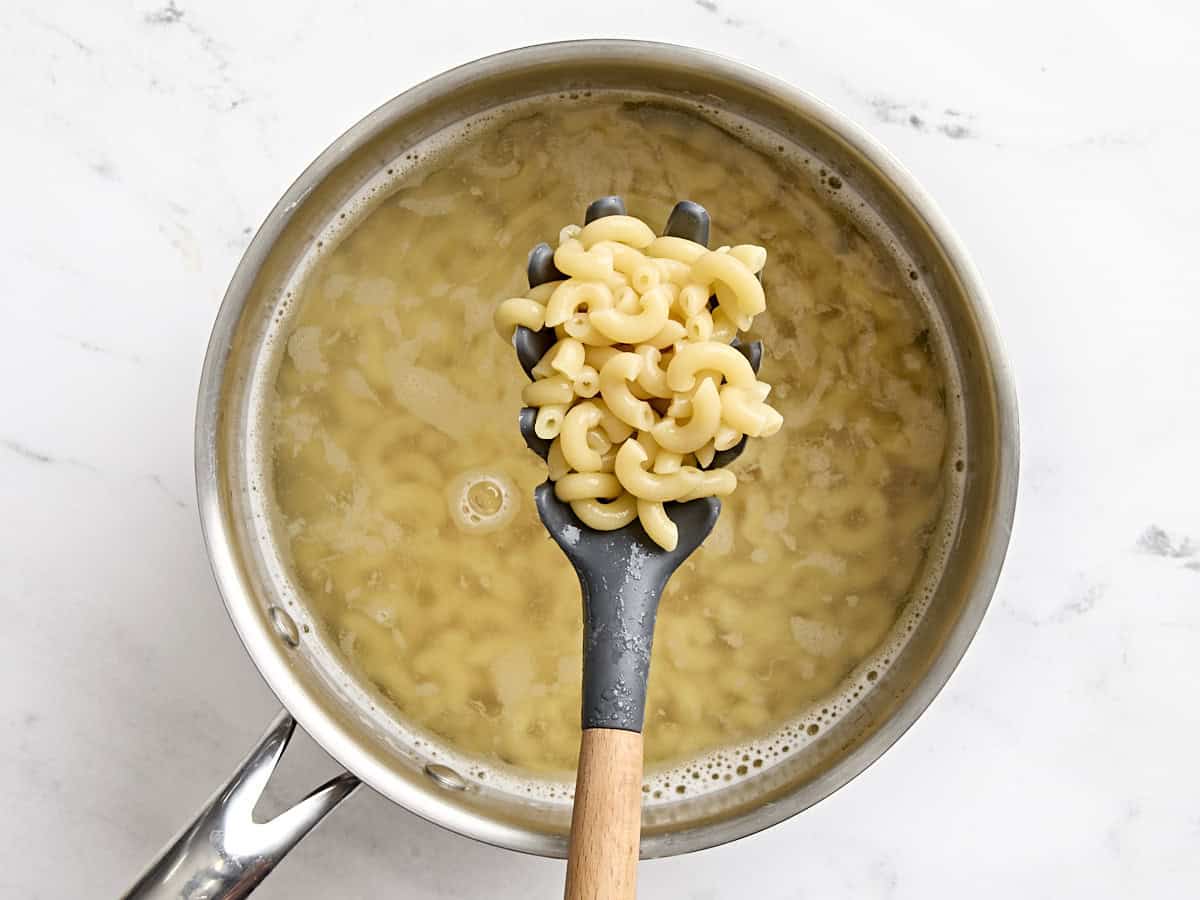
(144, 144)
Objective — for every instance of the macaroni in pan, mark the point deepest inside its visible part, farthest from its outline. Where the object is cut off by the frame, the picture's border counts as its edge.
(633, 326)
(402, 486)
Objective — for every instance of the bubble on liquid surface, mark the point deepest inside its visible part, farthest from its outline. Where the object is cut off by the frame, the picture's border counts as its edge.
(481, 501)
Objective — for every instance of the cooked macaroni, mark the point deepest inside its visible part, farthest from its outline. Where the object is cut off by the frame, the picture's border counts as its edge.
(647, 372)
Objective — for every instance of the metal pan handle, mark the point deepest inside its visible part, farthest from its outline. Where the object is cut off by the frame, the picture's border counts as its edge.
(224, 853)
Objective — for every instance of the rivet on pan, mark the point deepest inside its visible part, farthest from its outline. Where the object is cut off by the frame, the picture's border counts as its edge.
(446, 777)
(284, 626)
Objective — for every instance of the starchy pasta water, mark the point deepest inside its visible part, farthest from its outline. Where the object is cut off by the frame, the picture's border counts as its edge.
(633, 325)
(404, 490)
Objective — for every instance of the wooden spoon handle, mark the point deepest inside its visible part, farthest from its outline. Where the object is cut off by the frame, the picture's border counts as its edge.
(606, 824)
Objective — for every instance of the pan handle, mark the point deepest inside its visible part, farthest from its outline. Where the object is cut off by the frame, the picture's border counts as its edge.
(224, 853)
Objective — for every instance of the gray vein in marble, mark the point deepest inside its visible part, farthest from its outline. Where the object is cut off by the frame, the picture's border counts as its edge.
(167, 15)
(958, 125)
(42, 458)
(242, 240)
(922, 117)
(104, 351)
(1077, 607)
(950, 122)
(172, 15)
(954, 131)
(157, 481)
(183, 240)
(79, 45)
(1157, 542)
(710, 7)
(104, 169)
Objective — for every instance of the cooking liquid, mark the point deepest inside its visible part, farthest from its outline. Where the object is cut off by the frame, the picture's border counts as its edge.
(404, 491)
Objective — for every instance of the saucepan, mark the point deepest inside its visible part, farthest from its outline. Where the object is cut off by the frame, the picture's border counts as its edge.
(225, 852)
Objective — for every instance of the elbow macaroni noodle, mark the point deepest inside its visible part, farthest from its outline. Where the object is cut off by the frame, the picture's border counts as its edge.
(651, 356)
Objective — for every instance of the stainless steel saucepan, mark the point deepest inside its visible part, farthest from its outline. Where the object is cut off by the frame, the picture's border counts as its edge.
(224, 852)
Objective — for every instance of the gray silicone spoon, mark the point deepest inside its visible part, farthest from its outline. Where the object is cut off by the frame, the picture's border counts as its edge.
(622, 575)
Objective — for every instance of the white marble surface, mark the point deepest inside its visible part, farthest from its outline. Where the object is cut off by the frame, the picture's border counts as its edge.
(142, 145)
